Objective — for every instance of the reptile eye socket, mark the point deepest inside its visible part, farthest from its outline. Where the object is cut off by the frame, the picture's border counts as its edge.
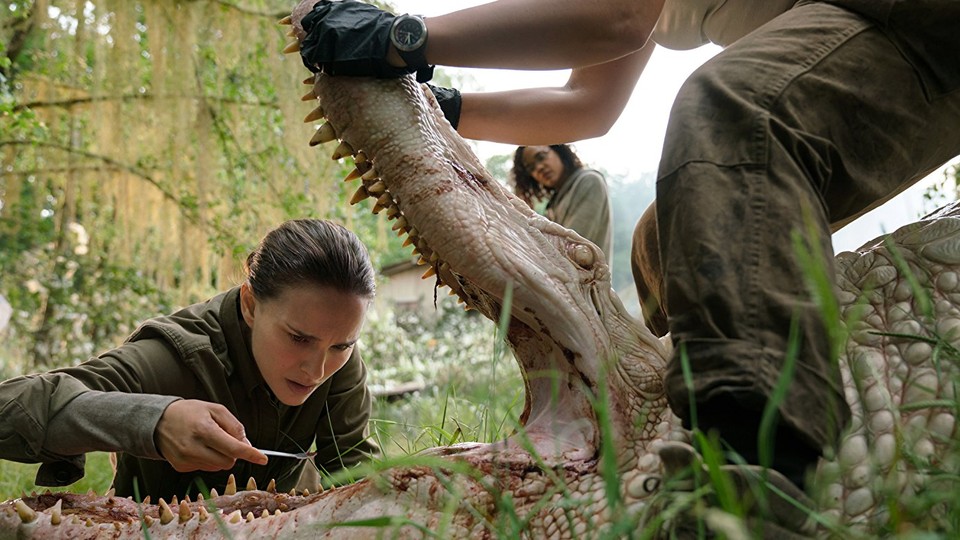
(583, 256)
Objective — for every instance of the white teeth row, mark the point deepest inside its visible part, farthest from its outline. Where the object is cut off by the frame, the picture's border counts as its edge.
(183, 511)
(372, 186)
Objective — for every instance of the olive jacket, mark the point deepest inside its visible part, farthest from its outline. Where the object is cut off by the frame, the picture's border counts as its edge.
(581, 203)
(114, 402)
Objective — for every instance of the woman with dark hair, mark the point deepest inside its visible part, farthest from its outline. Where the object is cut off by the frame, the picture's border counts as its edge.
(269, 364)
(576, 196)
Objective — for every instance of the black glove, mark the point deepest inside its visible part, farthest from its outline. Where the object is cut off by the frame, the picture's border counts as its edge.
(351, 38)
(450, 101)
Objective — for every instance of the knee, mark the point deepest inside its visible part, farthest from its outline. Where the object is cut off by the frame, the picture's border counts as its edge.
(647, 273)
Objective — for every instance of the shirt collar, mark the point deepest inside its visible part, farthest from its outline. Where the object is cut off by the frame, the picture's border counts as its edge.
(237, 334)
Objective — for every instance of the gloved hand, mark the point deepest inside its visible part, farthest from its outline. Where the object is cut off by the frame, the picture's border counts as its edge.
(351, 38)
(450, 101)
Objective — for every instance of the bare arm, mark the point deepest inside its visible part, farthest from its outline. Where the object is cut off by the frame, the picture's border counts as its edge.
(589, 103)
(538, 34)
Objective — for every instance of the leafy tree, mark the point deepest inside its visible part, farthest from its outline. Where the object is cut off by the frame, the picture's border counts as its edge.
(146, 146)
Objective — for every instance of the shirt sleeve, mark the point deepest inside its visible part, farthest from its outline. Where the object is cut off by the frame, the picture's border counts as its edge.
(108, 403)
(343, 438)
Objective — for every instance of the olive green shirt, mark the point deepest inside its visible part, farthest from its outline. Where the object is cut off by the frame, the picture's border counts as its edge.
(581, 204)
(113, 403)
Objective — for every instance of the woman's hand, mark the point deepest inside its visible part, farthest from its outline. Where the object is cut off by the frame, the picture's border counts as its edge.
(198, 435)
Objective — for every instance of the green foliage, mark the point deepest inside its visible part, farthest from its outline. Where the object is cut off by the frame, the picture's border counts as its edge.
(471, 391)
(946, 190)
(18, 478)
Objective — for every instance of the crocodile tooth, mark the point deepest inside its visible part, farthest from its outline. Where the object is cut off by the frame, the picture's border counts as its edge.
(235, 517)
(354, 174)
(231, 488)
(185, 513)
(377, 207)
(174, 501)
(116, 525)
(309, 96)
(421, 261)
(325, 133)
(277, 512)
(434, 258)
(56, 512)
(342, 150)
(306, 492)
(27, 514)
(286, 20)
(199, 497)
(292, 47)
(146, 500)
(414, 233)
(359, 195)
(293, 492)
(186, 498)
(407, 242)
(74, 520)
(213, 493)
(311, 80)
(430, 272)
(385, 200)
(401, 223)
(166, 515)
(377, 188)
(370, 175)
(89, 522)
(202, 513)
(292, 33)
(315, 114)
(251, 484)
(393, 211)
(250, 517)
(148, 520)
(272, 486)
(265, 513)
(110, 493)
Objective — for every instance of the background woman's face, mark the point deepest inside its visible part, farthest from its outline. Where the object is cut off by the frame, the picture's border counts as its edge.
(302, 337)
(544, 166)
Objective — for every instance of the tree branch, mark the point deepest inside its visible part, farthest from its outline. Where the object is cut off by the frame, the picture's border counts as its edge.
(66, 103)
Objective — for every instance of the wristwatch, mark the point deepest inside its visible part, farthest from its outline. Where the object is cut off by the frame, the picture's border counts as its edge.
(409, 35)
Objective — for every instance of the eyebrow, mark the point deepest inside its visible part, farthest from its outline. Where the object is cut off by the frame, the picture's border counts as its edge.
(308, 336)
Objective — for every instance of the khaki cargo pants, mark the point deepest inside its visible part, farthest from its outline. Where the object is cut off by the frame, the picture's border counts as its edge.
(809, 121)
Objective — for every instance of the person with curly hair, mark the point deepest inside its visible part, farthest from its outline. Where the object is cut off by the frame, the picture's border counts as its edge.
(575, 196)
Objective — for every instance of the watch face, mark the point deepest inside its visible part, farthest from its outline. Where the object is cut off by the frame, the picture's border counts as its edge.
(408, 34)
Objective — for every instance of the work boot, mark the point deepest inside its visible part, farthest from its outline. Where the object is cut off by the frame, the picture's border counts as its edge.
(770, 506)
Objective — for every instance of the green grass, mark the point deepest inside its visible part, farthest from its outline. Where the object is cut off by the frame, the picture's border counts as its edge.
(17, 478)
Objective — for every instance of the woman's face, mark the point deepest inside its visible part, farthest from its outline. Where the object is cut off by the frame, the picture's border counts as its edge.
(302, 337)
(544, 166)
